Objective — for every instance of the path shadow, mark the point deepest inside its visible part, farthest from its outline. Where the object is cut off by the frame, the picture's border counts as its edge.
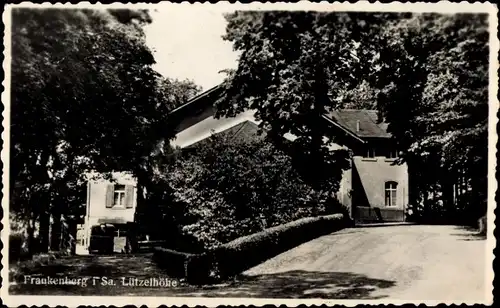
(298, 284)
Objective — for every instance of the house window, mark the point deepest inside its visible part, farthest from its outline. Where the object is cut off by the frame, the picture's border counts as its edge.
(119, 196)
(370, 153)
(392, 154)
(391, 193)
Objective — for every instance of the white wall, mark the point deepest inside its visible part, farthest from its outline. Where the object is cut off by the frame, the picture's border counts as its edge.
(375, 172)
(97, 199)
(96, 204)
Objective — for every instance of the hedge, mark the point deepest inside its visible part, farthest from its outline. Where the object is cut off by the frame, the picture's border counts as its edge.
(245, 252)
(193, 267)
(255, 248)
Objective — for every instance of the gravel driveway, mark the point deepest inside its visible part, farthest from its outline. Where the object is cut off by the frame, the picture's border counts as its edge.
(399, 262)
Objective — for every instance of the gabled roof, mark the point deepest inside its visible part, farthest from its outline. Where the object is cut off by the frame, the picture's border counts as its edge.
(345, 119)
(243, 131)
(214, 91)
(362, 123)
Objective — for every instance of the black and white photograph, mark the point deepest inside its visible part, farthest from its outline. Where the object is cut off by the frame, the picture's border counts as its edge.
(208, 154)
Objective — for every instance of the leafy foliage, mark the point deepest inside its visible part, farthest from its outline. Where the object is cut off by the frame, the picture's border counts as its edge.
(228, 188)
(433, 81)
(290, 71)
(426, 74)
(84, 98)
(182, 90)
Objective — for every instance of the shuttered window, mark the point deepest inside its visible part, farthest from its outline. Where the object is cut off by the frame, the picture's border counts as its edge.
(129, 196)
(392, 154)
(120, 196)
(110, 191)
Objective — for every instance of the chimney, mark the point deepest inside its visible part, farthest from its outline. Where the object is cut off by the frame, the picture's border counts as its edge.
(357, 126)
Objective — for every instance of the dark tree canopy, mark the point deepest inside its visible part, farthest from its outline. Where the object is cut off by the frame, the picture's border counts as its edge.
(284, 72)
(182, 90)
(84, 98)
(426, 74)
(433, 79)
(228, 187)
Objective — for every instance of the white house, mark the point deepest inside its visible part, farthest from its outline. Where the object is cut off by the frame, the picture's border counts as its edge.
(110, 204)
(375, 188)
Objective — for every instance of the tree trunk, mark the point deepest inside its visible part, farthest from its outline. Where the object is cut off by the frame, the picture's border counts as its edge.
(55, 234)
(31, 236)
(44, 231)
(448, 202)
(417, 191)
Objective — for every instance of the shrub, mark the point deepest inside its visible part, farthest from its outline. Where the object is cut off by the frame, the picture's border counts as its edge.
(242, 253)
(193, 267)
(173, 262)
(435, 211)
(226, 188)
(255, 248)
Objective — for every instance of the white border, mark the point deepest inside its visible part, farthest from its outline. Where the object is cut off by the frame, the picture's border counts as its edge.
(441, 7)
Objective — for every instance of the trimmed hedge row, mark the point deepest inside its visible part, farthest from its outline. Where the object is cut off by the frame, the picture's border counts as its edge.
(255, 248)
(194, 267)
(241, 254)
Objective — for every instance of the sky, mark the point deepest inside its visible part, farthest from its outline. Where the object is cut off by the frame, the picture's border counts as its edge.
(188, 44)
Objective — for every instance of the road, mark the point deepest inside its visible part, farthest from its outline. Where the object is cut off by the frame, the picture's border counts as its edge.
(397, 262)
(410, 262)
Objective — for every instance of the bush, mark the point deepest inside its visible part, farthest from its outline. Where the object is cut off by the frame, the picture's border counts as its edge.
(242, 253)
(193, 267)
(436, 211)
(226, 188)
(252, 249)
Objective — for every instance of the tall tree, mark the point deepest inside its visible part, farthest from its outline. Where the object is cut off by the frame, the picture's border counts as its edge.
(182, 90)
(290, 69)
(426, 74)
(84, 98)
(432, 71)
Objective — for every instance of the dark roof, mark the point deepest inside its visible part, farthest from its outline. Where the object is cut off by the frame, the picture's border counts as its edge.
(244, 131)
(214, 91)
(369, 126)
(346, 119)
